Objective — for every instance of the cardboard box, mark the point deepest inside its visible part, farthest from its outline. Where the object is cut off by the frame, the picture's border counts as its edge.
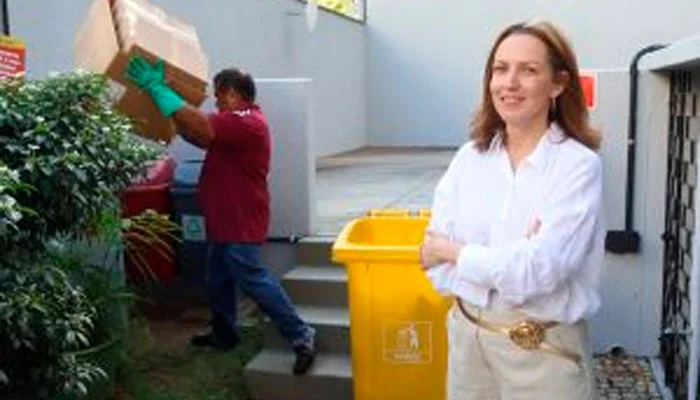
(142, 24)
(114, 31)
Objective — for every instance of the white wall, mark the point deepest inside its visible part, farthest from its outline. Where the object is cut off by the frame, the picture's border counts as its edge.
(269, 38)
(293, 169)
(425, 58)
(630, 316)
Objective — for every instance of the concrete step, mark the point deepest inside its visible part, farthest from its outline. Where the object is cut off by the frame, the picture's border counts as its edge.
(314, 250)
(269, 377)
(332, 326)
(317, 285)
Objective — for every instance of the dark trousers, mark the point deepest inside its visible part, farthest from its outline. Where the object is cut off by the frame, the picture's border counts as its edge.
(233, 265)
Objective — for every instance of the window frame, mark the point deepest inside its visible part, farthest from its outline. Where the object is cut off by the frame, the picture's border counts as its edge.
(341, 15)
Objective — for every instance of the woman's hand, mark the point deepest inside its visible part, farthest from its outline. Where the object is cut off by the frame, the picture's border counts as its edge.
(438, 249)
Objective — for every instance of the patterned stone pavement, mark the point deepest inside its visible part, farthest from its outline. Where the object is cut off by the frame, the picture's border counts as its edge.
(625, 378)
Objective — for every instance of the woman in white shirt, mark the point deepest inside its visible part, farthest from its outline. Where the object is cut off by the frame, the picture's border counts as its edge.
(516, 232)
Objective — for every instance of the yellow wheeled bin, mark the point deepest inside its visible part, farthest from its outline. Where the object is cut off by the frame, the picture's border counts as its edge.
(397, 320)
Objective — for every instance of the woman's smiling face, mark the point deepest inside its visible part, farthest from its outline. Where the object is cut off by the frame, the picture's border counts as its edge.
(522, 82)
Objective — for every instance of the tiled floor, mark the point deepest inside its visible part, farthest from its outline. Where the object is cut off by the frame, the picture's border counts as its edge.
(350, 184)
(624, 377)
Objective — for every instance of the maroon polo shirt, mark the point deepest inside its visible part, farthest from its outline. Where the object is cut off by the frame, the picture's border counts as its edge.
(233, 186)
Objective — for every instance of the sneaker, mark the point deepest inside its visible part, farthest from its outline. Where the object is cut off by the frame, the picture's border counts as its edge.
(305, 358)
(209, 339)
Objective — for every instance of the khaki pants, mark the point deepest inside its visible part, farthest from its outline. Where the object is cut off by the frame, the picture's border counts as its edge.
(483, 365)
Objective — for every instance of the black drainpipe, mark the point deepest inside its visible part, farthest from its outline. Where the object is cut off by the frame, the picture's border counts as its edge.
(627, 241)
(5, 18)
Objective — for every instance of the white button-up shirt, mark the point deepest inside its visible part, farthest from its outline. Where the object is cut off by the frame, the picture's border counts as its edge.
(483, 204)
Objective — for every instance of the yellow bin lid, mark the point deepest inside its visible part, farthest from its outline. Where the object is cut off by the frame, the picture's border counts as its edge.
(394, 238)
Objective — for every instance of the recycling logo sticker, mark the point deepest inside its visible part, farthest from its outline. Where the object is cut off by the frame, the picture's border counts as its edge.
(408, 342)
(193, 229)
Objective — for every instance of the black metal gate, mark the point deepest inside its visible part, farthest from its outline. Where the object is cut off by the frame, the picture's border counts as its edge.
(678, 237)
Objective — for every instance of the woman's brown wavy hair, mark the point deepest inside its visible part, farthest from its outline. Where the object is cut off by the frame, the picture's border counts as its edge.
(570, 111)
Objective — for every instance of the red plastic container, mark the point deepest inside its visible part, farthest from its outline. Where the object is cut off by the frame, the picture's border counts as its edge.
(151, 192)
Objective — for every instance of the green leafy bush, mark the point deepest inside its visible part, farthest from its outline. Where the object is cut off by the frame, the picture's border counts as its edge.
(104, 288)
(62, 138)
(44, 318)
(64, 157)
(10, 210)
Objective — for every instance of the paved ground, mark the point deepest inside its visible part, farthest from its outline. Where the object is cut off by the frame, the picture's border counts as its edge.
(624, 378)
(349, 184)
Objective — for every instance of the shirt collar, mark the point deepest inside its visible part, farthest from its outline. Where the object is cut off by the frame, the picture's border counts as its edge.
(539, 157)
(545, 148)
(242, 107)
(246, 106)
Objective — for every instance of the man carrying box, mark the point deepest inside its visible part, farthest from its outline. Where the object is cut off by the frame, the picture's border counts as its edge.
(234, 198)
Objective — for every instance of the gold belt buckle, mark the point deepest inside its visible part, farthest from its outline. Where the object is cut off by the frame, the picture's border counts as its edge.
(527, 334)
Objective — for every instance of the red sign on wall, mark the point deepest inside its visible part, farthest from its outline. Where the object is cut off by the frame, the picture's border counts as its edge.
(589, 85)
(12, 56)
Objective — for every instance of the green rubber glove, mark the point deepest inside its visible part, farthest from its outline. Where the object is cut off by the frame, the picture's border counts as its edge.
(152, 79)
